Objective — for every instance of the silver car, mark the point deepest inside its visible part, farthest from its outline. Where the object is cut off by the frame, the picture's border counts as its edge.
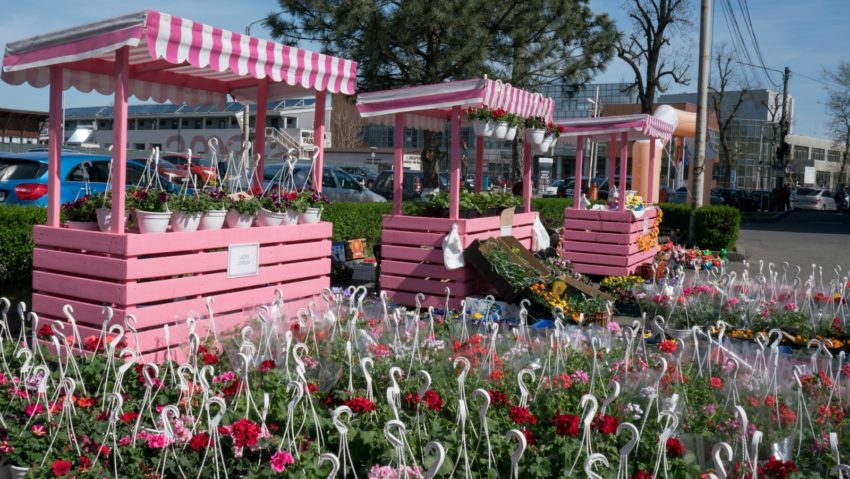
(337, 185)
(813, 199)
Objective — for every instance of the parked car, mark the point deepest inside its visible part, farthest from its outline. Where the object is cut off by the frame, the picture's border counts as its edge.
(23, 176)
(681, 196)
(552, 189)
(337, 185)
(813, 199)
(738, 198)
(412, 189)
(363, 174)
(203, 170)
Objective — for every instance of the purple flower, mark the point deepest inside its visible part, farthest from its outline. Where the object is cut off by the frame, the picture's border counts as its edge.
(162, 197)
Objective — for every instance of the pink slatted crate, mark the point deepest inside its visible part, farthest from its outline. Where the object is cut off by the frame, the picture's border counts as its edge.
(163, 279)
(606, 242)
(412, 256)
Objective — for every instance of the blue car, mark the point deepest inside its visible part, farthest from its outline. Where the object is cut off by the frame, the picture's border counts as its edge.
(23, 176)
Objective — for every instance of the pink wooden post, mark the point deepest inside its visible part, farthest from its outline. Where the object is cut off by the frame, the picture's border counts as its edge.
(319, 139)
(612, 168)
(454, 168)
(260, 125)
(54, 150)
(119, 139)
(624, 172)
(577, 182)
(479, 163)
(398, 163)
(650, 178)
(526, 177)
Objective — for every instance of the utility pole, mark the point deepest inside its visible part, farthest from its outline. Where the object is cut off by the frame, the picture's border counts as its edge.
(782, 150)
(702, 115)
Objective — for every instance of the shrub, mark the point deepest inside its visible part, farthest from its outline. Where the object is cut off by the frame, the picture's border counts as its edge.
(716, 226)
(16, 249)
(677, 218)
(357, 220)
(551, 210)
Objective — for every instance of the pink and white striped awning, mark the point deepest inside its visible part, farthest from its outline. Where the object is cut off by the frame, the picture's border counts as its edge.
(428, 106)
(600, 129)
(174, 59)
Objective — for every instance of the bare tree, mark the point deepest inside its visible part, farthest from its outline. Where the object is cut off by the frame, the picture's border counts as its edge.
(726, 104)
(346, 124)
(838, 106)
(648, 49)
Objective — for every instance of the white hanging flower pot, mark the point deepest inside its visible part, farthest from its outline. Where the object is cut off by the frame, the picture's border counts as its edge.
(483, 127)
(153, 221)
(185, 221)
(270, 218)
(104, 218)
(82, 225)
(212, 220)
(235, 220)
(544, 146)
(535, 136)
(311, 216)
(511, 134)
(291, 217)
(18, 472)
(500, 130)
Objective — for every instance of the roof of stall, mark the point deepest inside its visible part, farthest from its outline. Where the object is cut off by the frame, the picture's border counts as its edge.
(174, 59)
(428, 107)
(600, 129)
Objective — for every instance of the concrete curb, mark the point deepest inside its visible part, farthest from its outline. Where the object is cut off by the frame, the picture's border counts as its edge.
(772, 219)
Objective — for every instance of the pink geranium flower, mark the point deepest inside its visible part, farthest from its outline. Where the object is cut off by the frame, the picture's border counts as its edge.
(280, 460)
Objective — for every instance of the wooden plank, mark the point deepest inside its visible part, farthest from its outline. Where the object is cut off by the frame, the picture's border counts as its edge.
(421, 270)
(589, 247)
(417, 285)
(641, 257)
(600, 259)
(77, 263)
(493, 223)
(407, 253)
(139, 244)
(422, 223)
(75, 287)
(79, 240)
(601, 270)
(596, 237)
(193, 262)
(84, 311)
(523, 232)
(602, 226)
(207, 284)
(605, 215)
(411, 238)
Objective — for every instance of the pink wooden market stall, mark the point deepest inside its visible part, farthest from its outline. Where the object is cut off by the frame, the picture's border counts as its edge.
(606, 242)
(160, 279)
(411, 246)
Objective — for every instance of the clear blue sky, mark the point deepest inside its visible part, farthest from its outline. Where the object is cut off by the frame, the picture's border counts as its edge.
(806, 36)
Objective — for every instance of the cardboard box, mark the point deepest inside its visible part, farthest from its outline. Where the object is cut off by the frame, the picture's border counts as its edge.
(476, 255)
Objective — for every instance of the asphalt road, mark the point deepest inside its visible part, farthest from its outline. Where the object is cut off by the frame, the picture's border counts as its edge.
(801, 238)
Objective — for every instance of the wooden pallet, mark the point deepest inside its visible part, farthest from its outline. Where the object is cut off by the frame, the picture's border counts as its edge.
(606, 242)
(162, 279)
(412, 256)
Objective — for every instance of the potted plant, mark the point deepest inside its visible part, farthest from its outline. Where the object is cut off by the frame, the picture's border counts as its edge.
(535, 130)
(274, 210)
(216, 203)
(310, 205)
(188, 211)
(150, 208)
(500, 124)
(481, 119)
(243, 210)
(104, 210)
(80, 214)
(514, 123)
(26, 450)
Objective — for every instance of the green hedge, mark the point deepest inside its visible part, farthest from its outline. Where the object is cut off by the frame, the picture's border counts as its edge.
(16, 224)
(717, 227)
(357, 220)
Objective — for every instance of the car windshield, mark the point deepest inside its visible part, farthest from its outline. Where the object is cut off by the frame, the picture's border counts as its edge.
(557, 183)
(17, 169)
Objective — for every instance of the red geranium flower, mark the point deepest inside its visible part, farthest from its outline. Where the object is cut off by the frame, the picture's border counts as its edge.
(199, 441)
(129, 417)
(84, 463)
(641, 474)
(360, 404)
(777, 469)
(267, 366)
(433, 400)
(521, 415)
(312, 388)
(85, 402)
(675, 448)
(244, 432)
(498, 398)
(668, 346)
(210, 359)
(607, 425)
(716, 383)
(45, 331)
(529, 437)
(566, 424)
(61, 467)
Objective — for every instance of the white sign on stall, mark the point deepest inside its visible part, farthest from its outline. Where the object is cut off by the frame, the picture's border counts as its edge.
(243, 260)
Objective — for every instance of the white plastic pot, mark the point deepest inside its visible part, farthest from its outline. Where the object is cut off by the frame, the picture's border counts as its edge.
(500, 130)
(270, 218)
(291, 217)
(483, 127)
(235, 220)
(104, 218)
(185, 221)
(544, 146)
(535, 136)
(511, 134)
(311, 216)
(212, 220)
(82, 225)
(16, 472)
(152, 222)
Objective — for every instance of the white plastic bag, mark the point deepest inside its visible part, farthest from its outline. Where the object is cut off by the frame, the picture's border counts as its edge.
(453, 250)
(539, 238)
